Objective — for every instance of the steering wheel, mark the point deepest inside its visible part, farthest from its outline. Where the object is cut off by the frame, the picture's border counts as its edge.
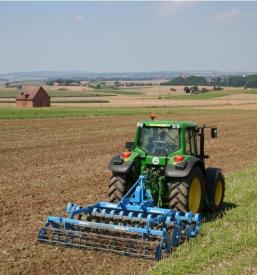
(160, 147)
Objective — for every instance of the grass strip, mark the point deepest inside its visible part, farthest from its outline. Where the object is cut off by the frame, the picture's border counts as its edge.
(224, 235)
(58, 112)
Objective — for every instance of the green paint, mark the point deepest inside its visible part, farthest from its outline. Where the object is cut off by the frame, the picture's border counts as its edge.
(154, 164)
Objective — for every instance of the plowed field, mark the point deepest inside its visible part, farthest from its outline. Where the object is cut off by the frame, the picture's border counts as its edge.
(45, 163)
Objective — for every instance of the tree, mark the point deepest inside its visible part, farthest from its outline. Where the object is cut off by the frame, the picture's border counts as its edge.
(187, 90)
(188, 81)
(194, 89)
(251, 81)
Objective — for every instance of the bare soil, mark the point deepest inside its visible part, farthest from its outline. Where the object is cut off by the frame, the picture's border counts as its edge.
(45, 163)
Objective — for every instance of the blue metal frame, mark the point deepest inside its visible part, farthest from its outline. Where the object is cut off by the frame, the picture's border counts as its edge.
(136, 206)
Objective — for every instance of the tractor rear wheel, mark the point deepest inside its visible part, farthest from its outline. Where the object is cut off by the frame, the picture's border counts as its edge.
(117, 187)
(215, 188)
(187, 194)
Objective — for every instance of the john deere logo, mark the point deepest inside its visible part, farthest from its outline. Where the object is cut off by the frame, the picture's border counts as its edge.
(155, 160)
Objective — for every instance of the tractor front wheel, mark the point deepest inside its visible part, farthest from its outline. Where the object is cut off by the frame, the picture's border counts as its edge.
(187, 194)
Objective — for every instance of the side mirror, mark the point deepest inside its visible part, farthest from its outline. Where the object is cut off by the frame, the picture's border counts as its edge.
(129, 145)
(214, 132)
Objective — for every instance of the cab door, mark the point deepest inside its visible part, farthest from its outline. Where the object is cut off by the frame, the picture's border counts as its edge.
(192, 142)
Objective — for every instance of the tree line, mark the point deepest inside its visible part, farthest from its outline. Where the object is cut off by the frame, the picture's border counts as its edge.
(246, 81)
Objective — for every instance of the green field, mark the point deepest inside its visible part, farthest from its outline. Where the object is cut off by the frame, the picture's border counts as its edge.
(228, 241)
(251, 92)
(92, 93)
(12, 92)
(55, 112)
(207, 95)
(62, 93)
(8, 92)
(131, 91)
(78, 100)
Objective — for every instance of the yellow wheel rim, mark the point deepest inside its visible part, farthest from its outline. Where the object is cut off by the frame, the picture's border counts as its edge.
(218, 193)
(195, 195)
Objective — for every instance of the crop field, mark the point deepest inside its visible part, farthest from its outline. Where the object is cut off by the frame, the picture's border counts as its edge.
(25, 113)
(70, 91)
(207, 95)
(157, 95)
(8, 92)
(54, 156)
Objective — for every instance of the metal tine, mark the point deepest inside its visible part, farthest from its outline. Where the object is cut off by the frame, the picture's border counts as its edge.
(95, 243)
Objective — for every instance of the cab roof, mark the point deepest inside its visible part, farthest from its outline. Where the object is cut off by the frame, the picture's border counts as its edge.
(169, 123)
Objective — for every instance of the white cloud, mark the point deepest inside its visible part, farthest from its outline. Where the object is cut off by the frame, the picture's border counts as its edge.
(78, 18)
(227, 16)
(169, 8)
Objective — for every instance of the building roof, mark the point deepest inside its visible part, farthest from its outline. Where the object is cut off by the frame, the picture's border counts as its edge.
(29, 92)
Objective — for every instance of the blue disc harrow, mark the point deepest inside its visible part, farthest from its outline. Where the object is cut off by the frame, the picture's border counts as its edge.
(133, 227)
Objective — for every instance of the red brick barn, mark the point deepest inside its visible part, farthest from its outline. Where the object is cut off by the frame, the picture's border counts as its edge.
(32, 96)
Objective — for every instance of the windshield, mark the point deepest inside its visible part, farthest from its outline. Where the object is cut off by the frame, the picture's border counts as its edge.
(159, 141)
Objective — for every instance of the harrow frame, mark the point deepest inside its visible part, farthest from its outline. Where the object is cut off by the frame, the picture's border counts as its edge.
(133, 227)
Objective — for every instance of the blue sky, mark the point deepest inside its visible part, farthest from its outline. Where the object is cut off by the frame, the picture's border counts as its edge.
(128, 36)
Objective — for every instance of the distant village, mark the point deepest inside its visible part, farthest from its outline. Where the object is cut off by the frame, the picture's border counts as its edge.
(98, 84)
(91, 84)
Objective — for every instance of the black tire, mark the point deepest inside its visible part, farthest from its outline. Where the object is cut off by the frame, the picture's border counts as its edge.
(179, 192)
(117, 187)
(213, 178)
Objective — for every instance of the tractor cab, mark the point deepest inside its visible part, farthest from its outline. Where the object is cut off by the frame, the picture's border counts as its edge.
(158, 140)
(170, 138)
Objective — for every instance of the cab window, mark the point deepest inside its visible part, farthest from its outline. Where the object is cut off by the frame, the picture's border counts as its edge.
(191, 141)
(159, 140)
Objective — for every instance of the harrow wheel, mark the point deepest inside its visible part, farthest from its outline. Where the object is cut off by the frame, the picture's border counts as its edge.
(117, 187)
(187, 194)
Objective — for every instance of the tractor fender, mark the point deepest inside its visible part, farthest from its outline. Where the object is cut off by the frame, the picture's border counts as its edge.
(181, 170)
(119, 165)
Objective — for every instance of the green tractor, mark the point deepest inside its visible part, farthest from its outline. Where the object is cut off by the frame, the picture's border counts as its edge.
(171, 155)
